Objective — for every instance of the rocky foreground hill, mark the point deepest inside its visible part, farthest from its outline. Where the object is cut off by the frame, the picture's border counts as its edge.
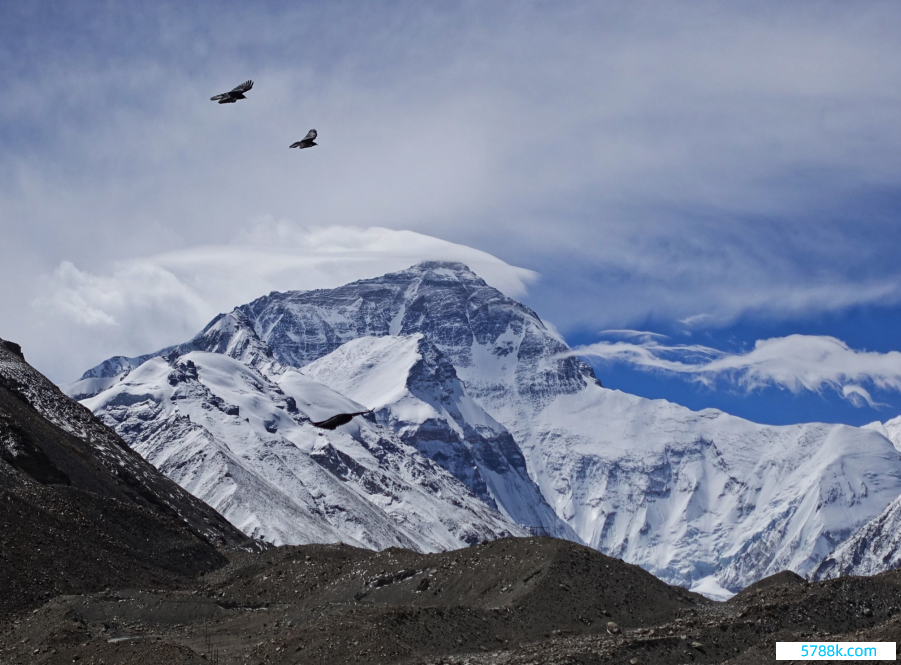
(513, 601)
(81, 511)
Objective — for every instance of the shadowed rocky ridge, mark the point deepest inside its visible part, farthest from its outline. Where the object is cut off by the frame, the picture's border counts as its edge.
(79, 510)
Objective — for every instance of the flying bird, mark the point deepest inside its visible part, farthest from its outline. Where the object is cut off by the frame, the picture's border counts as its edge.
(306, 141)
(234, 95)
(337, 421)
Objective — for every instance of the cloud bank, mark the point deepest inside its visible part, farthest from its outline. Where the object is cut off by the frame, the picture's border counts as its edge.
(796, 363)
(145, 303)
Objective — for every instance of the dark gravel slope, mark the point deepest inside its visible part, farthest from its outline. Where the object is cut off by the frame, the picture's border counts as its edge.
(79, 510)
(515, 601)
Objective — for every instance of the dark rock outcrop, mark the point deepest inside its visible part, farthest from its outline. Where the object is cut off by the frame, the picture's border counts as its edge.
(79, 510)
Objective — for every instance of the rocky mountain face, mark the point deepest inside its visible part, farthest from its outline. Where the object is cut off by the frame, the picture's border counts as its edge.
(80, 510)
(872, 549)
(477, 384)
(414, 391)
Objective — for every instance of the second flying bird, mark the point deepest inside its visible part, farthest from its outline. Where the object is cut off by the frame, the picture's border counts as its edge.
(306, 141)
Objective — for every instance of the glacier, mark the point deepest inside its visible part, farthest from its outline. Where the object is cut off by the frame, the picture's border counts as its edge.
(473, 394)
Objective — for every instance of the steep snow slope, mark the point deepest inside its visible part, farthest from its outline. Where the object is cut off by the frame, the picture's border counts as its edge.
(243, 444)
(415, 392)
(876, 546)
(700, 499)
(890, 429)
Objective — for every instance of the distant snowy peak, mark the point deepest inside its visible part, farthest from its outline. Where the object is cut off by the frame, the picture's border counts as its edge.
(103, 376)
(114, 367)
(473, 385)
(228, 334)
(414, 390)
(493, 341)
(704, 499)
(890, 429)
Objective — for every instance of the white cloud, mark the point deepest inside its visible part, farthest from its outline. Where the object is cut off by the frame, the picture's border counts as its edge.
(145, 303)
(796, 363)
(858, 396)
(628, 333)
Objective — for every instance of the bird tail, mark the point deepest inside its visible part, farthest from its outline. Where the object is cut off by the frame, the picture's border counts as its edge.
(218, 97)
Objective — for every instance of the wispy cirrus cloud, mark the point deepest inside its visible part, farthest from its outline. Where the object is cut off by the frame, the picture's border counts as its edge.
(796, 362)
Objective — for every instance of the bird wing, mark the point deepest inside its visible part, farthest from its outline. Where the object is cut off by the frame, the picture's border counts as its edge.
(218, 97)
(337, 420)
(244, 87)
(334, 422)
(295, 145)
(311, 135)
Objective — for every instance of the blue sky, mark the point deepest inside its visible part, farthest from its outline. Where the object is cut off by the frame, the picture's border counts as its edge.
(871, 328)
(719, 173)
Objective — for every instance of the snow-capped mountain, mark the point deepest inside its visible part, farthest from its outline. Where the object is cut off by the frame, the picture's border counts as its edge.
(890, 429)
(701, 499)
(243, 442)
(710, 500)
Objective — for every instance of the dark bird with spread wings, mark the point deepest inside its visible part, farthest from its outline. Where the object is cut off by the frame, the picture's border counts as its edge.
(306, 141)
(340, 419)
(234, 95)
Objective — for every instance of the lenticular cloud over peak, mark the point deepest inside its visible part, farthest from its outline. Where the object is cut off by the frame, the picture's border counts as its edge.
(152, 301)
